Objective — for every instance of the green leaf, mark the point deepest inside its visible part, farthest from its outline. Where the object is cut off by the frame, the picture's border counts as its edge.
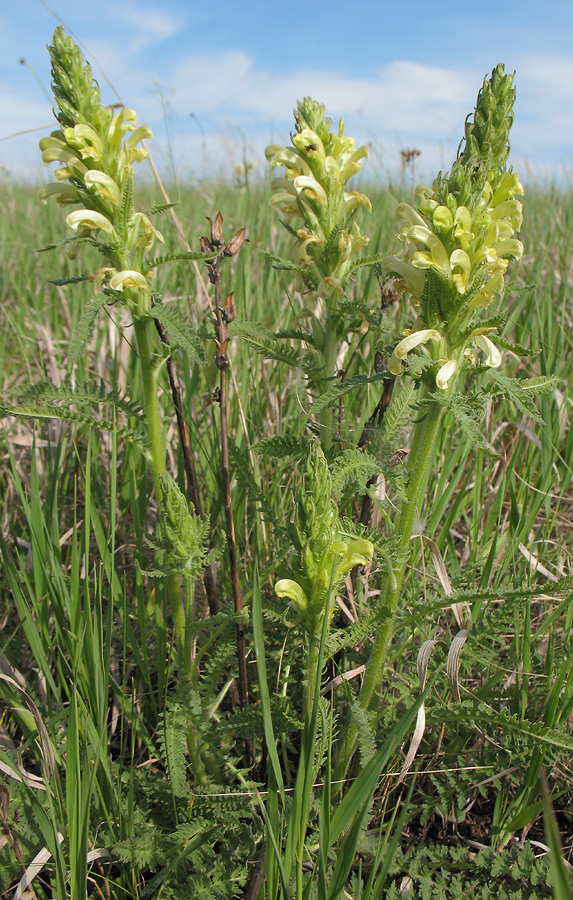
(265, 343)
(161, 207)
(398, 413)
(367, 261)
(286, 264)
(469, 416)
(521, 392)
(354, 465)
(561, 878)
(85, 326)
(333, 394)
(177, 257)
(74, 279)
(180, 332)
(281, 446)
(45, 411)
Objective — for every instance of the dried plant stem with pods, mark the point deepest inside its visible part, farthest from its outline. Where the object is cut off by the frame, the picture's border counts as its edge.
(225, 313)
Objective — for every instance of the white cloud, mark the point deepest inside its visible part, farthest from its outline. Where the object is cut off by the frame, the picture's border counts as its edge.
(403, 97)
(149, 26)
(405, 103)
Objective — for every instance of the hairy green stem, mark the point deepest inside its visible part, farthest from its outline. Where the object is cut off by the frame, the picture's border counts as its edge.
(419, 465)
(142, 328)
(329, 355)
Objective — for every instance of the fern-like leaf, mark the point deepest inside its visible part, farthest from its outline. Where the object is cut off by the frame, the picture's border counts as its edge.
(520, 394)
(181, 333)
(469, 416)
(367, 261)
(73, 279)
(281, 446)
(85, 326)
(92, 393)
(397, 414)
(353, 466)
(333, 394)
(285, 264)
(161, 207)
(177, 257)
(45, 411)
(173, 744)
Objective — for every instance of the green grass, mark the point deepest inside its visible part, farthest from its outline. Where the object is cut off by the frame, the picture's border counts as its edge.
(87, 636)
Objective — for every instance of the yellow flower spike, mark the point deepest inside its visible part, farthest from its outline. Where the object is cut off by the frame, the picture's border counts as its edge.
(128, 279)
(74, 169)
(408, 216)
(286, 587)
(350, 164)
(412, 278)
(308, 141)
(511, 210)
(286, 203)
(463, 227)
(493, 356)
(123, 121)
(442, 218)
(104, 186)
(53, 145)
(142, 133)
(86, 220)
(85, 139)
(509, 186)
(101, 277)
(462, 220)
(438, 258)
(509, 247)
(445, 372)
(459, 259)
(311, 186)
(57, 151)
(64, 193)
(354, 199)
(140, 224)
(408, 343)
(358, 552)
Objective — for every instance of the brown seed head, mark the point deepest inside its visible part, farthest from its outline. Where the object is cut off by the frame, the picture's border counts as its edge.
(230, 311)
(216, 229)
(236, 242)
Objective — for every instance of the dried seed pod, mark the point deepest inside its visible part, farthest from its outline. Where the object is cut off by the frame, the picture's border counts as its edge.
(216, 229)
(230, 310)
(236, 242)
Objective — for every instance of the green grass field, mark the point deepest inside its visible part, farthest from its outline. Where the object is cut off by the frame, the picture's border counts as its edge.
(97, 726)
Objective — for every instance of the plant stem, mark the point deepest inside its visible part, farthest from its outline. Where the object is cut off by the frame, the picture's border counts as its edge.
(142, 329)
(222, 363)
(190, 471)
(329, 356)
(419, 465)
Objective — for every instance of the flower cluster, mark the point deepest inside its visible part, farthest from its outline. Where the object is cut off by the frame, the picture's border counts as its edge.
(459, 239)
(97, 149)
(317, 168)
(324, 555)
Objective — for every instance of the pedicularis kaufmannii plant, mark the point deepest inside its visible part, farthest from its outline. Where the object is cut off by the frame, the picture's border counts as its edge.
(324, 555)
(459, 239)
(98, 148)
(326, 247)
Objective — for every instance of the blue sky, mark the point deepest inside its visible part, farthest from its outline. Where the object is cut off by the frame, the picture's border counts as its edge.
(220, 79)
